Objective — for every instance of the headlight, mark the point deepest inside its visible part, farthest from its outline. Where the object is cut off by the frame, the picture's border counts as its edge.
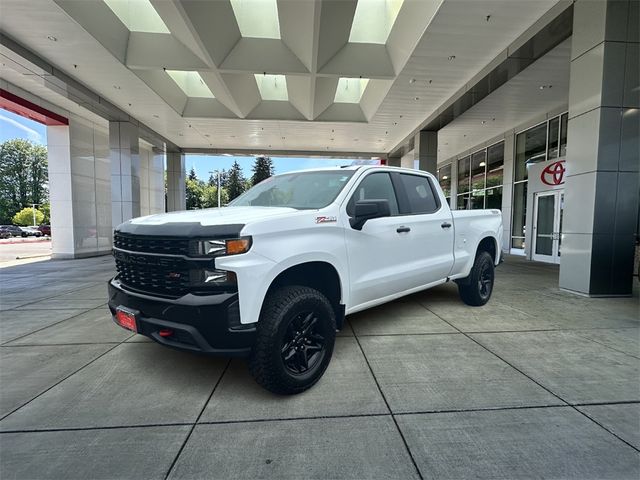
(229, 246)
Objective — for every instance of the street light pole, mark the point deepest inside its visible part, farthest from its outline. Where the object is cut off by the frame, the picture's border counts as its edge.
(33, 210)
(218, 173)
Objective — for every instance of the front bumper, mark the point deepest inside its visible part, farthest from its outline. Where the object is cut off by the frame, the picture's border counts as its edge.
(207, 324)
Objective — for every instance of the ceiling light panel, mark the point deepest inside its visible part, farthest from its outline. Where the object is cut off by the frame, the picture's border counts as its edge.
(350, 90)
(138, 15)
(191, 84)
(257, 18)
(272, 87)
(373, 20)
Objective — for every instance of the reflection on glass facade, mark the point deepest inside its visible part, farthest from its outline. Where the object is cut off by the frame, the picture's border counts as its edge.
(531, 147)
(540, 143)
(554, 138)
(444, 178)
(464, 165)
(563, 134)
(483, 171)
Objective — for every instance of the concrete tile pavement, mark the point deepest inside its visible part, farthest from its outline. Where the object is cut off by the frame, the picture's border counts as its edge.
(539, 383)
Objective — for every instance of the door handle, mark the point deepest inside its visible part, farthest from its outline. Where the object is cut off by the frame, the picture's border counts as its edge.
(446, 225)
(403, 229)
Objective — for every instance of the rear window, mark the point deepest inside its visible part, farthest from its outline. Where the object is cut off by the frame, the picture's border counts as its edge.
(420, 193)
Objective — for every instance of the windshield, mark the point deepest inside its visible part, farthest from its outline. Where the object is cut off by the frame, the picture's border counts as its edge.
(304, 190)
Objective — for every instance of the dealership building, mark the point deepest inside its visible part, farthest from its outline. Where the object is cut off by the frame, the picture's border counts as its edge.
(529, 107)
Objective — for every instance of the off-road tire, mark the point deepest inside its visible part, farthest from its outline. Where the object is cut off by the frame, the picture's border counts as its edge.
(282, 307)
(474, 290)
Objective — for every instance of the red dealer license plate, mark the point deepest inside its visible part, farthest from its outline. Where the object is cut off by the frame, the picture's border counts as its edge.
(126, 318)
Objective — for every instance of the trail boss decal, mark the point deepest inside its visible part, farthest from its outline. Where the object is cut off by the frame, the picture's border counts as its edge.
(326, 219)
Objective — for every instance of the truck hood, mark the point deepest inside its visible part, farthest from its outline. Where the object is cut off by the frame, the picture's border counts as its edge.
(216, 216)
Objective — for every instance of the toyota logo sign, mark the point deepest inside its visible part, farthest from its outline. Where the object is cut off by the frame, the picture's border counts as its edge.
(553, 174)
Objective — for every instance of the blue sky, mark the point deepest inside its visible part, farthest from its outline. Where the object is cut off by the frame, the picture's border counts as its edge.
(14, 126)
(205, 164)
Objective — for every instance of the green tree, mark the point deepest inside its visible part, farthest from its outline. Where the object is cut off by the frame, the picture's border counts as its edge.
(45, 208)
(235, 185)
(23, 176)
(262, 169)
(195, 193)
(192, 174)
(210, 196)
(25, 217)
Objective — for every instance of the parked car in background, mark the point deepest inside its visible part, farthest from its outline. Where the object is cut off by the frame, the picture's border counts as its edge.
(13, 230)
(45, 229)
(4, 234)
(31, 232)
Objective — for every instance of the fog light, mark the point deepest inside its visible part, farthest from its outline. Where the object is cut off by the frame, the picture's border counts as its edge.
(165, 332)
(215, 276)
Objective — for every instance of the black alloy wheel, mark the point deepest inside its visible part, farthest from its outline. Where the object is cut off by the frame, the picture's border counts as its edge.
(485, 280)
(303, 344)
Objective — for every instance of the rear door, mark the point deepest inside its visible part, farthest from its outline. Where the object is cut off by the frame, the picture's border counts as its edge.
(431, 235)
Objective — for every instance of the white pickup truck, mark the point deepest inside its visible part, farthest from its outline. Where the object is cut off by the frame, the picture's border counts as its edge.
(273, 275)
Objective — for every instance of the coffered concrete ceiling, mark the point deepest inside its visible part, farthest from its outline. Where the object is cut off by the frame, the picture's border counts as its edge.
(304, 75)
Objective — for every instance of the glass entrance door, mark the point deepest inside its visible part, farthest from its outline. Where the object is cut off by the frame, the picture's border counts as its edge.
(547, 226)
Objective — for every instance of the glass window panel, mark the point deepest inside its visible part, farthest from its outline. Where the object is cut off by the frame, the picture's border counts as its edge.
(375, 186)
(272, 87)
(563, 134)
(373, 19)
(350, 90)
(531, 147)
(495, 165)
(478, 170)
(519, 209)
(464, 165)
(138, 15)
(517, 242)
(477, 200)
(463, 202)
(257, 18)
(191, 83)
(419, 193)
(493, 199)
(554, 135)
(444, 178)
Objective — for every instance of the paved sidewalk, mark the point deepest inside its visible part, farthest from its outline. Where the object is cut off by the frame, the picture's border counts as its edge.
(537, 384)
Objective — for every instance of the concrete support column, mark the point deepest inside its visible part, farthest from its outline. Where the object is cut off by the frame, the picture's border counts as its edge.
(151, 180)
(393, 161)
(426, 151)
(79, 185)
(601, 195)
(176, 182)
(507, 189)
(125, 171)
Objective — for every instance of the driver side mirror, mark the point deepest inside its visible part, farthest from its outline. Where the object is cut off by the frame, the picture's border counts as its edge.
(367, 210)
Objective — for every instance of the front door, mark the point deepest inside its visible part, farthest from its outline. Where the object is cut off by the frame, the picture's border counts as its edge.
(547, 226)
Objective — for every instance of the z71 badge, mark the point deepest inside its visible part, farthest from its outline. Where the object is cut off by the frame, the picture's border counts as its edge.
(326, 219)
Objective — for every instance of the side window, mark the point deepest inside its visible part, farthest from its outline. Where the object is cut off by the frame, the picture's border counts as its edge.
(376, 186)
(422, 198)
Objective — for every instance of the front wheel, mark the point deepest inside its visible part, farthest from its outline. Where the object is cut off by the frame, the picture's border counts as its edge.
(295, 339)
(475, 290)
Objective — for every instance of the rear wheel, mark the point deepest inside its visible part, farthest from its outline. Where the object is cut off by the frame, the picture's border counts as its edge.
(295, 338)
(476, 289)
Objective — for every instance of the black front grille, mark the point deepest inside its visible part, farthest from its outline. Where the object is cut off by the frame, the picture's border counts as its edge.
(170, 278)
(149, 244)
